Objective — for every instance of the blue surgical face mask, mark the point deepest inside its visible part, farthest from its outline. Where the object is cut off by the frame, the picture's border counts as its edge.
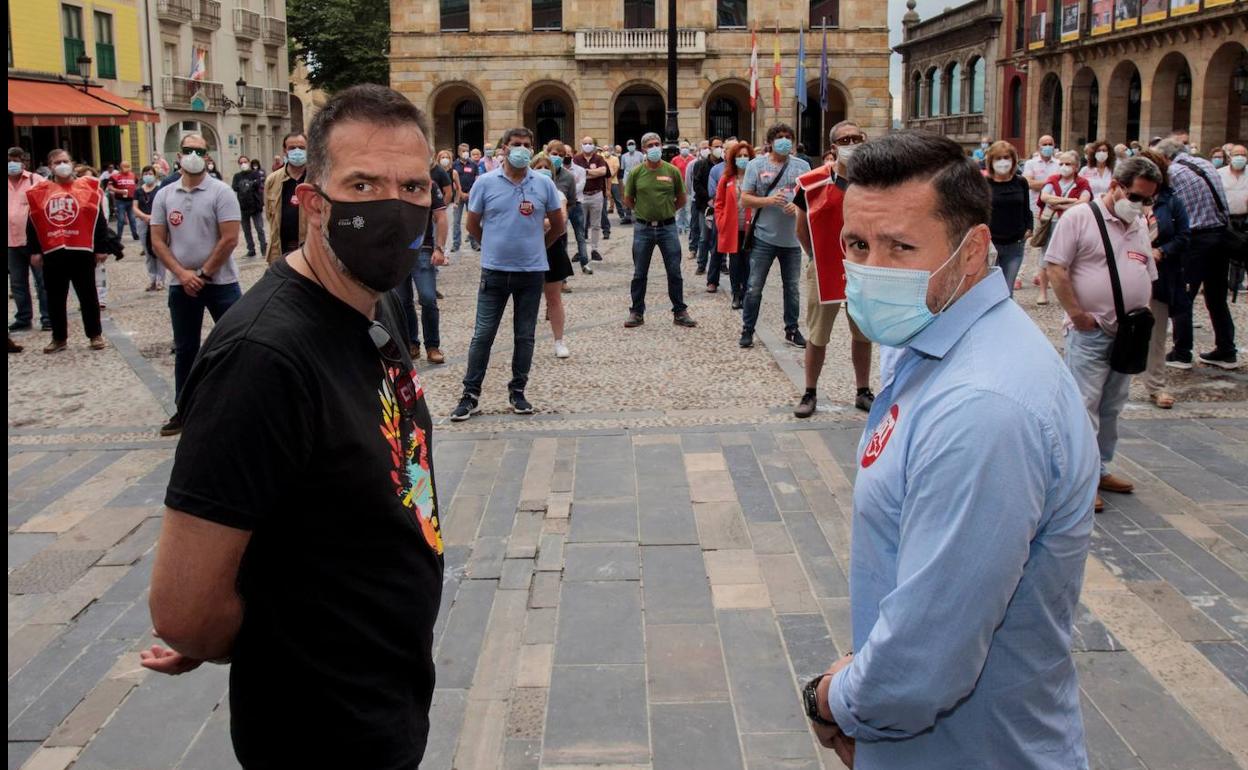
(149, 179)
(889, 304)
(742, 161)
(556, 161)
(684, 151)
(519, 157)
(1217, 162)
(654, 154)
(783, 146)
(297, 156)
(546, 173)
(1238, 162)
(1046, 152)
(631, 146)
(15, 167)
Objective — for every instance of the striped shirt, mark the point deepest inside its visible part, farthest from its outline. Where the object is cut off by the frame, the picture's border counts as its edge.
(1202, 211)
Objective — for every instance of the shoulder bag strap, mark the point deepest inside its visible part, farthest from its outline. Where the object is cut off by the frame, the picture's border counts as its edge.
(1217, 199)
(779, 175)
(1111, 260)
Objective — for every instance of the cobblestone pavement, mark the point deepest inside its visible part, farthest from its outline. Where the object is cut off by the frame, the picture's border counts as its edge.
(640, 576)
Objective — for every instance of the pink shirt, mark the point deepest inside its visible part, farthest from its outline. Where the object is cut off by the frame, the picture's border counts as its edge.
(1076, 245)
(19, 208)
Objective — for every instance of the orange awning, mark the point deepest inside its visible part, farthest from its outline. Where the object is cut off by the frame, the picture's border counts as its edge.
(138, 113)
(42, 103)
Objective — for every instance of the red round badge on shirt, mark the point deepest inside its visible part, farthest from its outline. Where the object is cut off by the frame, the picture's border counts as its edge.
(526, 208)
(175, 218)
(879, 438)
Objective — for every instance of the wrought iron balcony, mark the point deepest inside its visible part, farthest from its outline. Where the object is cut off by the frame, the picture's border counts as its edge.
(252, 100)
(246, 24)
(273, 31)
(176, 11)
(207, 15)
(276, 101)
(638, 44)
(187, 94)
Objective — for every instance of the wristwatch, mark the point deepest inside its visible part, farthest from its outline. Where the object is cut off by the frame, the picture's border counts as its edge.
(810, 697)
(201, 275)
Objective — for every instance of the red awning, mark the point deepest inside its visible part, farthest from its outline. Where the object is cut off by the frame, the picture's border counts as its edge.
(138, 113)
(41, 103)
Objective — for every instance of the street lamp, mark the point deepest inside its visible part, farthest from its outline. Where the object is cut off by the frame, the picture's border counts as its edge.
(672, 130)
(84, 70)
(229, 104)
(1183, 88)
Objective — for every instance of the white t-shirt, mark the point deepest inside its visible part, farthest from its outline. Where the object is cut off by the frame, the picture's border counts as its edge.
(1236, 190)
(581, 176)
(1040, 170)
(1098, 180)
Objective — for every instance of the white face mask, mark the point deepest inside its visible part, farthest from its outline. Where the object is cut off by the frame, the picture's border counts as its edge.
(705, 152)
(1002, 166)
(1066, 169)
(63, 170)
(718, 152)
(445, 163)
(1127, 211)
(192, 163)
(843, 154)
(587, 148)
(1102, 156)
(463, 156)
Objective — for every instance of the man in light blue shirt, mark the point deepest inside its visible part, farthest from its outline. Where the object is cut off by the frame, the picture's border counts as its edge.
(507, 209)
(769, 187)
(973, 498)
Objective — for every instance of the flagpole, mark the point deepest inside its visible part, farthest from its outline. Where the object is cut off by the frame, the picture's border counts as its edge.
(823, 114)
(796, 98)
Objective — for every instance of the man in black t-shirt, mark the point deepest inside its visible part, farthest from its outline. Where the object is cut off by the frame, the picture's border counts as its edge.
(301, 535)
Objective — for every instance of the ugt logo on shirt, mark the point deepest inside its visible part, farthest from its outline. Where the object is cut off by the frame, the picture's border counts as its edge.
(879, 438)
(61, 210)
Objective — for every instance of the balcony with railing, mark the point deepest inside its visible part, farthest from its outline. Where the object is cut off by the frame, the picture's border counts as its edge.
(246, 24)
(252, 100)
(187, 94)
(105, 61)
(273, 31)
(276, 101)
(638, 44)
(207, 14)
(73, 49)
(960, 128)
(176, 11)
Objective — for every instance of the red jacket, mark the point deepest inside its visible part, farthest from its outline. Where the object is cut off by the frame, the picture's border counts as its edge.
(1080, 186)
(726, 214)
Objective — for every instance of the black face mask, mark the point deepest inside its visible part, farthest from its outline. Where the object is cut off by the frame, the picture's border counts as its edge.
(378, 241)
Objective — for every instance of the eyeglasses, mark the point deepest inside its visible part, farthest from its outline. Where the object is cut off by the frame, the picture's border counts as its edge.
(200, 151)
(401, 386)
(849, 139)
(1137, 198)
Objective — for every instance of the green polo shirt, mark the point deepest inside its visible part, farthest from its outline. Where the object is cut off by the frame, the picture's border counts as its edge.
(654, 191)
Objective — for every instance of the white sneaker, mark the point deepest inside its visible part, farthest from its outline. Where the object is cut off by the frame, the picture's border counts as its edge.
(561, 350)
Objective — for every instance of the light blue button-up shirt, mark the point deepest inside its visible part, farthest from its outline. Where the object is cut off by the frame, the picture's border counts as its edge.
(972, 518)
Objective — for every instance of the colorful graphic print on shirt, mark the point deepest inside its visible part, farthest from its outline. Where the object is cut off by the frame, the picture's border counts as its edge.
(413, 483)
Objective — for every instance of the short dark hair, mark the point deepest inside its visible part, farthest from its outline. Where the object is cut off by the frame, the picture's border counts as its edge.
(963, 198)
(365, 103)
(1139, 167)
(17, 152)
(292, 135)
(777, 130)
(57, 151)
(512, 133)
(147, 169)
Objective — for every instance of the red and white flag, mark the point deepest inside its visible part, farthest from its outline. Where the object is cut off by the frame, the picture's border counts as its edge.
(754, 71)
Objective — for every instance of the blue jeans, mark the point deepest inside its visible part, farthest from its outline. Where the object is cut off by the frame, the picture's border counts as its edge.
(624, 214)
(1010, 259)
(457, 229)
(682, 217)
(425, 276)
(645, 238)
(125, 212)
(255, 219)
(576, 221)
(761, 258)
(20, 270)
(1104, 391)
(706, 241)
(525, 292)
(697, 222)
(187, 314)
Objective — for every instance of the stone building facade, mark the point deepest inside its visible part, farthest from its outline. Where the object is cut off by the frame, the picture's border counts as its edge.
(949, 70)
(598, 67)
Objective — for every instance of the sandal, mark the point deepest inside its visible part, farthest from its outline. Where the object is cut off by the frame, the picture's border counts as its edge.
(1162, 400)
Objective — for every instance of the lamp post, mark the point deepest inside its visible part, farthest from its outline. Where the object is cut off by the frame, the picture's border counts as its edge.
(672, 130)
(229, 104)
(84, 70)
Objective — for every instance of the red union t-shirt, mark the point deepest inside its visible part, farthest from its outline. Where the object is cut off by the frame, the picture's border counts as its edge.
(1076, 245)
(124, 183)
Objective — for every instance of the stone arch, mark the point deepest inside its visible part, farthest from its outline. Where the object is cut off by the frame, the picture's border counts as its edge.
(548, 108)
(457, 114)
(815, 127)
(1049, 116)
(1014, 114)
(1125, 97)
(1224, 115)
(1171, 104)
(1084, 108)
(179, 128)
(637, 106)
(726, 110)
(916, 96)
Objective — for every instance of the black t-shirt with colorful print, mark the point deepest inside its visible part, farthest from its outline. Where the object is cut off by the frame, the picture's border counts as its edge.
(293, 431)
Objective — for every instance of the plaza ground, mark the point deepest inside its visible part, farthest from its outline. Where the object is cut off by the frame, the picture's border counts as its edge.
(641, 575)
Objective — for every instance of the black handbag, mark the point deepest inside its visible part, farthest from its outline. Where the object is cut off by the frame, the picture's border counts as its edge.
(747, 245)
(1234, 242)
(1129, 353)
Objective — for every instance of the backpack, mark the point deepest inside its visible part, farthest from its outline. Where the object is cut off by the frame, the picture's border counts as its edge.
(249, 194)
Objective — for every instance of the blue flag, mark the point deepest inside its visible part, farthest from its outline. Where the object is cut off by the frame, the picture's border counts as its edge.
(800, 86)
(823, 71)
